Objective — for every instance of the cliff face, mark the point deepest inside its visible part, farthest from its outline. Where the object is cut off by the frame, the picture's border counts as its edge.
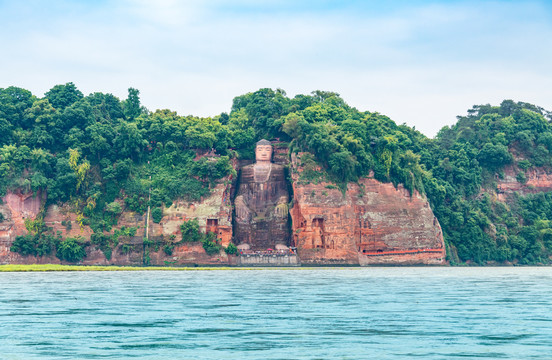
(15, 208)
(537, 180)
(372, 223)
(213, 213)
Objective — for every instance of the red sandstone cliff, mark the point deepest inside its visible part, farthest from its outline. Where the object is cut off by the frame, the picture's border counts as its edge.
(372, 223)
(16, 208)
(213, 213)
(537, 180)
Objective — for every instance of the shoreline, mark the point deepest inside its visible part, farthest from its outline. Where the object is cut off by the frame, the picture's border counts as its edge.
(62, 268)
(57, 267)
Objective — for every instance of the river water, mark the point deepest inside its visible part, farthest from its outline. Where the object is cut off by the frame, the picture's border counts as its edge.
(351, 313)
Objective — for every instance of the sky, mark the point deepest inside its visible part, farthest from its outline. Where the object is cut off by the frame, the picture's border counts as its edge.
(420, 62)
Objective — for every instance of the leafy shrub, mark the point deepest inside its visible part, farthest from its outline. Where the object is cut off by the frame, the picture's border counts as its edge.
(209, 242)
(47, 243)
(71, 250)
(123, 231)
(524, 164)
(68, 225)
(190, 231)
(126, 248)
(168, 249)
(157, 215)
(231, 249)
(35, 245)
(36, 226)
(147, 257)
(114, 208)
(25, 245)
(521, 178)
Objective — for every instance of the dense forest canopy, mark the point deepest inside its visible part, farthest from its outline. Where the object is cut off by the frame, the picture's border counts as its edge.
(88, 151)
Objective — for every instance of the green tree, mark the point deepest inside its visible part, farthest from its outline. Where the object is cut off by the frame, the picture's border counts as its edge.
(494, 156)
(157, 215)
(131, 106)
(231, 249)
(190, 231)
(71, 250)
(14, 102)
(210, 245)
(62, 96)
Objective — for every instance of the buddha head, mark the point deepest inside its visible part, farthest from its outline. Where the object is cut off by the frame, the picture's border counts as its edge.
(263, 151)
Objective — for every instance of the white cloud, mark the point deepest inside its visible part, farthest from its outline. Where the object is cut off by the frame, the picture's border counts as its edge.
(164, 13)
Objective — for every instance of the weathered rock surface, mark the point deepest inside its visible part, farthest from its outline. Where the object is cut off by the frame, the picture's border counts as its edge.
(537, 180)
(372, 223)
(213, 213)
(15, 208)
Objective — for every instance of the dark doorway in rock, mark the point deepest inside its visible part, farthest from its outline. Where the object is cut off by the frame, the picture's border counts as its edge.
(212, 226)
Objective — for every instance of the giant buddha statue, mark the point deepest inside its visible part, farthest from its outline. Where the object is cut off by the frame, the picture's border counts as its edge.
(261, 203)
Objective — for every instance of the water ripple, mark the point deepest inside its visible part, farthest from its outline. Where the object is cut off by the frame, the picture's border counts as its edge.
(383, 313)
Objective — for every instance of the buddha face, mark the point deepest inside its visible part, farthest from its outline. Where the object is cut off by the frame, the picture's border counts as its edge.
(263, 153)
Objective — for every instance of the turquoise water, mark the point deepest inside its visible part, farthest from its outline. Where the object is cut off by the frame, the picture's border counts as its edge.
(357, 313)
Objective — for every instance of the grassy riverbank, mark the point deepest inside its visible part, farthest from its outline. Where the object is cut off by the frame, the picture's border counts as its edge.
(56, 267)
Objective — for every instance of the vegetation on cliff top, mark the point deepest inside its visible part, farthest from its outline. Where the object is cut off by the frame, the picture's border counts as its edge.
(101, 155)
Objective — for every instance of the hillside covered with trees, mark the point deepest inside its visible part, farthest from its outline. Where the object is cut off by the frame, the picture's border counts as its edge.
(88, 151)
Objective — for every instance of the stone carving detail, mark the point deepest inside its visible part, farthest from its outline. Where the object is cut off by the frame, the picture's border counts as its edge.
(261, 204)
